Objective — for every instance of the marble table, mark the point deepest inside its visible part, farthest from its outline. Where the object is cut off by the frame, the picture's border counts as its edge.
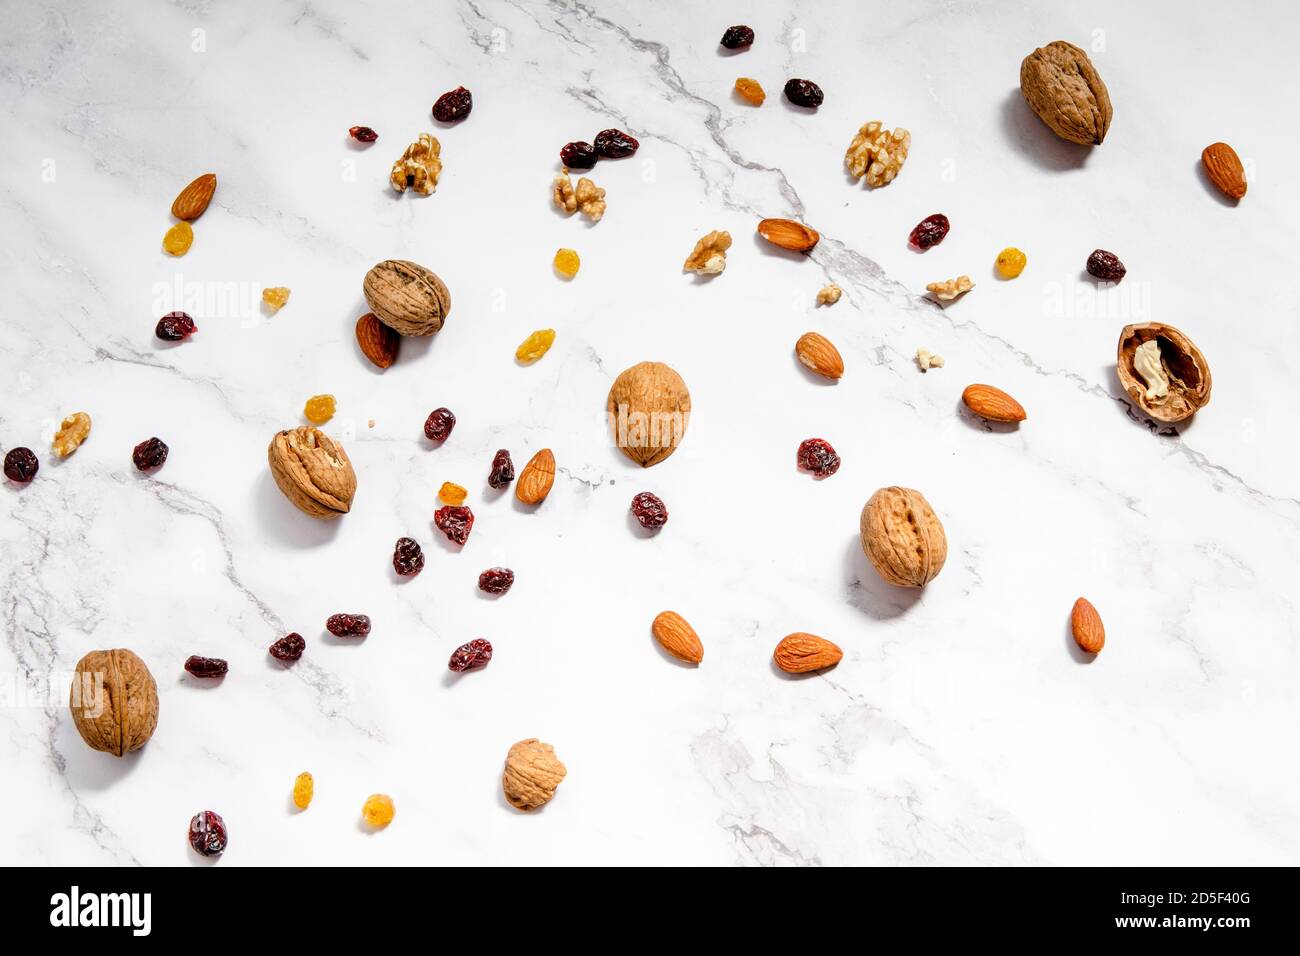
(961, 726)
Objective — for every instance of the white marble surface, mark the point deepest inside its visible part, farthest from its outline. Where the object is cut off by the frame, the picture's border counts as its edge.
(960, 727)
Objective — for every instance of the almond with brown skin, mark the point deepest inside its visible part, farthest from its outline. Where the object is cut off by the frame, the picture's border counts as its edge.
(818, 354)
(788, 234)
(194, 198)
(1224, 168)
(535, 480)
(378, 342)
(677, 637)
(1085, 624)
(799, 653)
(993, 404)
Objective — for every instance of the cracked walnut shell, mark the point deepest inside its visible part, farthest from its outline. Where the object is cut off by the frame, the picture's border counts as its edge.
(1062, 87)
(313, 471)
(114, 701)
(902, 537)
(1162, 371)
(587, 197)
(877, 153)
(709, 256)
(533, 772)
(419, 167)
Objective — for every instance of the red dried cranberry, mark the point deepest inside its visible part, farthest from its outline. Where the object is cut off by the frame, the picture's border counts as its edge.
(476, 653)
(736, 37)
(438, 426)
(206, 666)
(455, 521)
(363, 134)
(21, 464)
(288, 648)
(578, 155)
(175, 326)
(650, 510)
(208, 833)
(930, 231)
(503, 470)
(408, 559)
(149, 454)
(453, 106)
(817, 455)
(1106, 266)
(615, 144)
(804, 93)
(496, 580)
(348, 625)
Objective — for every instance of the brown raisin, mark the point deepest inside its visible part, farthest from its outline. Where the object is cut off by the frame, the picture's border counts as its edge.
(453, 106)
(804, 93)
(208, 833)
(615, 144)
(1105, 266)
(496, 580)
(438, 426)
(650, 510)
(476, 653)
(363, 134)
(206, 666)
(21, 464)
(503, 470)
(175, 326)
(736, 37)
(578, 155)
(930, 231)
(455, 521)
(817, 455)
(348, 625)
(288, 648)
(149, 454)
(408, 558)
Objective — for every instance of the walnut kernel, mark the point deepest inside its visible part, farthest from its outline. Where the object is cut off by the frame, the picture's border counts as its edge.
(419, 167)
(948, 290)
(586, 197)
(878, 153)
(928, 360)
(72, 432)
(709, 256)
(829, 295)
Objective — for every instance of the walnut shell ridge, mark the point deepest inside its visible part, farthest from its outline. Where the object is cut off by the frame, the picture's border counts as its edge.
(1182, 361)
(407, 297)
(903, 537)
(1062, 87)
(114, 701)
(313, 471)
(649, 408)
(533, 772)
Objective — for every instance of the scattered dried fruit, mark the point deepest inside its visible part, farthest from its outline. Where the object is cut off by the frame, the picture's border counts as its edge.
(455, 521)
(21, 464)
(649, 408)
(902, 537)
(1162, 371)
(208, 833)
(818, 354)
(930, 231)
(1062, 87)
(677, 637)
(733, 38)
(194, 198)
(149, 454)
(178, 239)
(992, 404)
(503, 469)
(788, 234)
(1105, 266)
(532, 774)
(175, 326)
(452, 493)
(614, 144)
(418, 168)
(377, 341)
(578, 155)
(1085, 624)
(649, 510)
(928, 360)
(496, 580)
(477, 653)
(537, 478)
(304, 788)
(567, 262)
(207, 667)
(751, 90)
(949, 289)
(407, 297)
(275, 298)
(829, 295)
(709, 256)
(1011, 262)
(438, 426)
(319, 409)
(535, 346)
(312, 471)
(72, 432)
(114, 701)
(363, 134)
(454, 105)
(877, 153)
(817, 456)
(288, 648)
(348, 625)
(378, 810)
(804, 93)
(1224, 169)
(408, 558)
(799, 653)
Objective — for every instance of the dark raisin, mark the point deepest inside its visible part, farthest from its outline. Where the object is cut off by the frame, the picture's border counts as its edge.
(496, 580)
(1105, 266)
(208, 833)
(149, 454)
(817, 455)
(21, 464)
(615, 144)
(206, 666)
(804, 93)
(438, 426)
(736, 37)
(348, 625)
(474, 654)
(363, 134)
(503, 470)
(175, 326)
(455, 521)
(408, 559)
(288, 648)
(930, 231)
(578, 155)
(453, 106)
(650, 510)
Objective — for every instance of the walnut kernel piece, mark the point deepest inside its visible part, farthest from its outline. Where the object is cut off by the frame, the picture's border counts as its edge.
(532, 774)
(1146, 361)
(72, 432)
(877, 153)
(562, 194)
(928, 360)
(586, 197)
(950, 289)
(709, 256)
(419, 167)
(829, 295)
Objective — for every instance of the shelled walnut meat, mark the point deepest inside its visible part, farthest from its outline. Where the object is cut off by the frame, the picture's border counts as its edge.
(313, 471)
(649, 408)
(709, 257)
(407, 297)
(877, 153)
(114, 701)
(532, 774)
(1162, 371)
(903, 537)
(1063, 88)
(586, 197)
(419, 166)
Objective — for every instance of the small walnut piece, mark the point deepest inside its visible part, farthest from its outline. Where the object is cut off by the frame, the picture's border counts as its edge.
(878, 153)
(419, 167)
(71, 434)
(709, 256)
(928, 360)
(829, 295)
(950, 289)
(1146, 360)
(591, 199)
(562, 194)
(313, 471)
(532, 774)
(114, 701)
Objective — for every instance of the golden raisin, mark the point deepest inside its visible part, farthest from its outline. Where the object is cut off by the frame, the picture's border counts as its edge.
(567, 262)
(535, 346)
(1011, 262)
(319, 409)
(72, 432)
(378, 810)
(275, 298)
(303, 788)
(178, 240)
(452, 493)
(751, 90)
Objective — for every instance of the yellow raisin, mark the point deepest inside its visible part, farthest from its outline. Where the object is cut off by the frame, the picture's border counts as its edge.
(452, 493)
(319, 409)
(751, 90)
(378, 810)
(535, 346)
(72, 432)
(1011, 262)
(567, 262)
(275, 298)
(303, 788)
(179, 238)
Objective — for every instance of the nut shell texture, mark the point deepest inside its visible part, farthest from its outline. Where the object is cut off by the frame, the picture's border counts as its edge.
(313, 471)
(1182, 361)
(1062, 87)
(902, 537)
(649, 408)
(114, 701)
(532, 774)
(407, 297)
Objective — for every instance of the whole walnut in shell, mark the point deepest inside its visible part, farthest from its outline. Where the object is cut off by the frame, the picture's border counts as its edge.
(532, 774)
(313, 471)
(902, 537)
(1061, 85)
(114, 701)
(1162, 371)
(649, 408)
(407, 297)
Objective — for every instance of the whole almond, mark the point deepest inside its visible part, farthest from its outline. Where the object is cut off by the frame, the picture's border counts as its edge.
(1224, 169)
(1085, 623)
(378, 342)
(798, 653)
(677, 637)
(788, 234)
(993, 404)
(818, 354)
(194, 198)
(535, 480)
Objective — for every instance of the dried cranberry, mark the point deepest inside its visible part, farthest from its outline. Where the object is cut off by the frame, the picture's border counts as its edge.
(453, 106)
(615, 144)
(1106, 266)
(474, 654)
(578, 155)
(149, 454)
(175, 326)
(348, 625)
(408, 559)
(21, 464)
(496, 580)
(736, 37)
(817, 455)
(503, 470)
(804, 93)
(438, 426)
(288, 648)
(206, 666)
(455, 521)
(208, 833)
(363, 134)
(930, 231)
(650, 510)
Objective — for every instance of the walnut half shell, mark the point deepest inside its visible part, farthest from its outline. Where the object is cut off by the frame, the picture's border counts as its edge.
(1183, 375)
(114, 701)
(902, 537)
(313, 471)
